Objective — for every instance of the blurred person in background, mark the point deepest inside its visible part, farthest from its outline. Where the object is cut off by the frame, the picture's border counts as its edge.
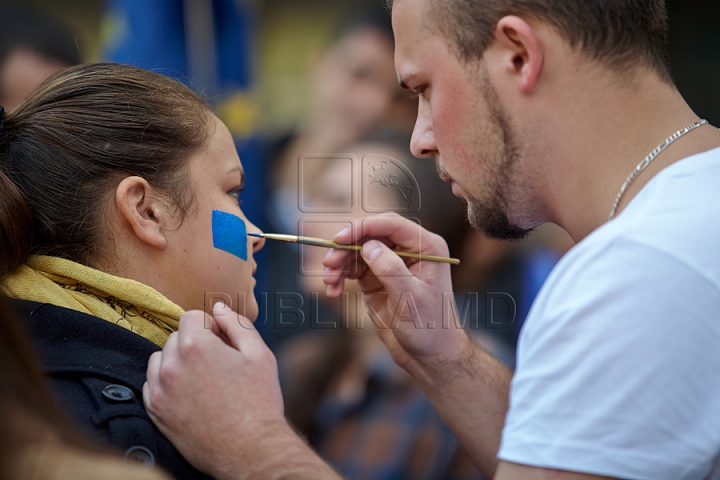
(354, 95)
(352, 89)
(32, 47)
(37, 440)
(342, 391)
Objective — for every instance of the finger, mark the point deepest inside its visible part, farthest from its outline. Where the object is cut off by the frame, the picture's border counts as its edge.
(239, 330)
(332, 275)
(335, 290)
(334, 279)
(404, 233)
(213, 325)
(194, 320)
(153, 378)
(345, 235)
(337, 258)
(146, 395)
(170, 347)
(343, 263)
(156, 422)
(389, 269)
(370, 283)
(219, 307)
(153, 368)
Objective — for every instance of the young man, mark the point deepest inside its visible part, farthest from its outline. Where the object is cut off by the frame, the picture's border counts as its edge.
(536, 112)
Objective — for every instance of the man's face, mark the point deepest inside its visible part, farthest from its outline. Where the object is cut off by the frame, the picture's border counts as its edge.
(462, 124)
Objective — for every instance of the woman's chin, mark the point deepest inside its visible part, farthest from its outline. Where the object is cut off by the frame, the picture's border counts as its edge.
(252, 312)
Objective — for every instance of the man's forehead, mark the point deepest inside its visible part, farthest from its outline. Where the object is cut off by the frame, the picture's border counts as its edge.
(417, 8)
(408, 22)
(413, 35)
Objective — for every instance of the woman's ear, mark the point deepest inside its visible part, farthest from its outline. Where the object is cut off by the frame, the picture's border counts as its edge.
(142, 211)
(521, 52)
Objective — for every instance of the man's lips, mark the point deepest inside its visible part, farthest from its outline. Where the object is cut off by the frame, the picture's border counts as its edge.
(445, 177)
(442, 173)
(453, 184)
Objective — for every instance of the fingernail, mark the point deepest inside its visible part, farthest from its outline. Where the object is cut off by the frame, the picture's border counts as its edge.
(343, 232)
(329, 252)
(371, 250)
(220, 305)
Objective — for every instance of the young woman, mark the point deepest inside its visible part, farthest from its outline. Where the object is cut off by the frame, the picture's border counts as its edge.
(109, 177)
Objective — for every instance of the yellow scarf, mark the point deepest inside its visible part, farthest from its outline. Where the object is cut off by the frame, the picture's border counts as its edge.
(127, 303)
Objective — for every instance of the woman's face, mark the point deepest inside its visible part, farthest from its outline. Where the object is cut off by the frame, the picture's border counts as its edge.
(201, 274)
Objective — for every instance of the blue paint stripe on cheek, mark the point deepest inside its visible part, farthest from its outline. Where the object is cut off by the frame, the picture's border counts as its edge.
(230, 234)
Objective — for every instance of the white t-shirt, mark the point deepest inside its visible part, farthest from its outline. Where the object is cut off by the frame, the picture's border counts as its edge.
(618, 369)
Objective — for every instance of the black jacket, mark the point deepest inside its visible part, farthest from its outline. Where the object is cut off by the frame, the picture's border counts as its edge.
(97, 371)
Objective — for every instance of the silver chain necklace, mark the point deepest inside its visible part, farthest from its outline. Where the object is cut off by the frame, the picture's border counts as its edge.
(650, 157)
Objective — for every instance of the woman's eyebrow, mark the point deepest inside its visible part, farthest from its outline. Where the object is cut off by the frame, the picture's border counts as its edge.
(242, 173)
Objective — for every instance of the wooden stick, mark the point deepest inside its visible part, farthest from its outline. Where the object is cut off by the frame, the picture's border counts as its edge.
(321, 242)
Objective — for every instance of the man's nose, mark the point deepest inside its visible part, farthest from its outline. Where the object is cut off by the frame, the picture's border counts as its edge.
(422, 143)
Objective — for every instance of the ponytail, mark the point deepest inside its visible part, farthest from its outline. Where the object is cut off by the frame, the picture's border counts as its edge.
(16, 221)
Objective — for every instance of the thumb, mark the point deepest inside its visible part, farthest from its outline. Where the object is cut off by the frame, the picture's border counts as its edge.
(388, 267)
(238, 329)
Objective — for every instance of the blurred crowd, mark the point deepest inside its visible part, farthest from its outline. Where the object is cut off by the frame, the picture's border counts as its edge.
(340, 156)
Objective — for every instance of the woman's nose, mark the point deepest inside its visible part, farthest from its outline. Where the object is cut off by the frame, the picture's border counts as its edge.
(257, 242)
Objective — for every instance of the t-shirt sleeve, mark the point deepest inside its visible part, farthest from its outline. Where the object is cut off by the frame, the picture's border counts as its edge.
(618, 369)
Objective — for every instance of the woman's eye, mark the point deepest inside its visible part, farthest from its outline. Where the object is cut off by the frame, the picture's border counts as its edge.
(235, 192)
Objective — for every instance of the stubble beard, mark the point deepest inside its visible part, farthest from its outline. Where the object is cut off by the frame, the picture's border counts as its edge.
(490, 216)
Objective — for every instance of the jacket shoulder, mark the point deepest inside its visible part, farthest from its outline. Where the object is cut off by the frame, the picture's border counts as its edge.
(97, 370)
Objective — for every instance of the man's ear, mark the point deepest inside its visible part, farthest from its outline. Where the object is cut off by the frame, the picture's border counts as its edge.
(520, 53)
(142, 211)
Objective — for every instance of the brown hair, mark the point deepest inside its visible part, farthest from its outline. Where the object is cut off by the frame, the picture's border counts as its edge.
(619, 33)
(65, 148)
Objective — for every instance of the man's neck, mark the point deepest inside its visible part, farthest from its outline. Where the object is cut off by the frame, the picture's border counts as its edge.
(605, 132)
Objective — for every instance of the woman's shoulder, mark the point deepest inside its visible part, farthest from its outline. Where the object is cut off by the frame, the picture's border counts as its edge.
(71, 341)
(97, 371)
